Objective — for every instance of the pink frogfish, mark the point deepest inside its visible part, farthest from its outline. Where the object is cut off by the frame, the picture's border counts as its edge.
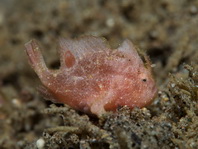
(94, 78)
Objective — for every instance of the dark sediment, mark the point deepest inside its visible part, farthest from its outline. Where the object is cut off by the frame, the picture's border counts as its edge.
(165, 29)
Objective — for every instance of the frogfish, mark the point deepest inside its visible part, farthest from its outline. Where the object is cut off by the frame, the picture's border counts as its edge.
(92, 77)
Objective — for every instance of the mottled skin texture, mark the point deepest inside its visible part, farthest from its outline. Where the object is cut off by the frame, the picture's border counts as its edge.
(94, 78)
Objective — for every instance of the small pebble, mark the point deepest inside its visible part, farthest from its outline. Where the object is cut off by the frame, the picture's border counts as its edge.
(40, 143)
(110, 22)
(193, 9)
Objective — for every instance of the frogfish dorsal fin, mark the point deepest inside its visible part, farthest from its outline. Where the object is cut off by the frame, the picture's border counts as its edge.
(81, 46)
(129, 51)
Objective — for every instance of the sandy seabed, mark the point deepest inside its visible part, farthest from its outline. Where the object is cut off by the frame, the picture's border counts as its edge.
(165, 29)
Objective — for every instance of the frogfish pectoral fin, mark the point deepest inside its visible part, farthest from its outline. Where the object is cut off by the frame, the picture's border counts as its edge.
(37, 62)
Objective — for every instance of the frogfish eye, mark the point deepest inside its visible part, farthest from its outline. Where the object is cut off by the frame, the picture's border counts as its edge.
(144, 80)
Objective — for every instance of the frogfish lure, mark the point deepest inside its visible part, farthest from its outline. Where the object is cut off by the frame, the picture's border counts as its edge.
(94, 78)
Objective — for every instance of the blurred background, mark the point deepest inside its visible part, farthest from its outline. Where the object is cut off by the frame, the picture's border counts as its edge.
(165, 29)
